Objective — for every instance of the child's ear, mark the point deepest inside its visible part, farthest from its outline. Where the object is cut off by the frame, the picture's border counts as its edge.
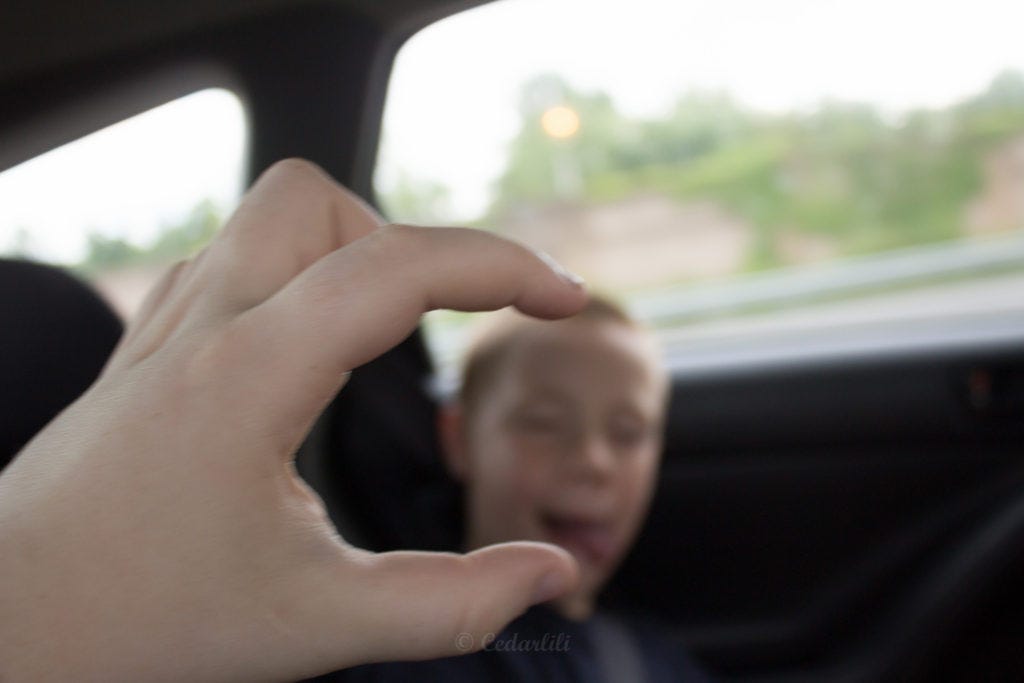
(450, 430)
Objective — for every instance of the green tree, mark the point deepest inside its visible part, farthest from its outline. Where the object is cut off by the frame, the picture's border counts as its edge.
(543, 169)
(109, 253)
(173, 243)
(21, 244)
(185, 239)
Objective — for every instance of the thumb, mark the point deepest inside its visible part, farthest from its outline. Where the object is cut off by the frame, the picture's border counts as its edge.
(421, 605)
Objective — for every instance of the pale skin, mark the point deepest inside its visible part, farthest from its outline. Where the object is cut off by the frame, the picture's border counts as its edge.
(156, 530)
(563, 445)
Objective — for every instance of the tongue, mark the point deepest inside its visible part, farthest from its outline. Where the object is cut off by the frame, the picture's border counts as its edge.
(594, 541)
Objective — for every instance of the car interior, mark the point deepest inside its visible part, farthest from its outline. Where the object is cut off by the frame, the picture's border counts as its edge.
(850, 511)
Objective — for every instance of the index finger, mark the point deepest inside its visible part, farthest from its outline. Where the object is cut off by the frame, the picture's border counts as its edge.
(359, 301)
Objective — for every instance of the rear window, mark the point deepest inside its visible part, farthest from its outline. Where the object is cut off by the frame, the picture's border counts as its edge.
(122, 204)
(741, 174)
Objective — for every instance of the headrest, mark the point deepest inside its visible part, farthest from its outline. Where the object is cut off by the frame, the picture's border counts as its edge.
(56, 334)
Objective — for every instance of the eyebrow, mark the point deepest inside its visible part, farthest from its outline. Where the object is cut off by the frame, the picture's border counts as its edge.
(546, 394)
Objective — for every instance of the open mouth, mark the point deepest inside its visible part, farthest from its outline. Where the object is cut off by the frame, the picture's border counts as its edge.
(587, 539)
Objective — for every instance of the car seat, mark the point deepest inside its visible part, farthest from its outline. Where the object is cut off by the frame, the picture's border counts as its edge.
(56, 334)
(374, 458)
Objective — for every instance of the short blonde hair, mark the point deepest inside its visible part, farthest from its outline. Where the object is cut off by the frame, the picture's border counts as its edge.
(483, 361)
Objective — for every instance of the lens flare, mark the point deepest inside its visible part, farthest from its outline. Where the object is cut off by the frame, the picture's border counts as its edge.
(560, 122)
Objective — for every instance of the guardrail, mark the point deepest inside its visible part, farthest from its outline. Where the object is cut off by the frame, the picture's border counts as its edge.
(838, 279)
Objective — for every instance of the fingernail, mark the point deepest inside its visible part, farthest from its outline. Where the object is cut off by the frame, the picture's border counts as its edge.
(550, 586)
(560, 270)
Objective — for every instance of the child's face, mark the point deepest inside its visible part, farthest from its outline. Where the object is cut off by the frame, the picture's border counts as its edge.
(564, 445)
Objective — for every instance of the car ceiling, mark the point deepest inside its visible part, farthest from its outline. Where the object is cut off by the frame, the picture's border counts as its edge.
(48, 34)
(68, 68)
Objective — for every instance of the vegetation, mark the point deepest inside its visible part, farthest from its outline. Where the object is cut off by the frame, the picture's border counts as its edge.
(843, 171)
(175, 242)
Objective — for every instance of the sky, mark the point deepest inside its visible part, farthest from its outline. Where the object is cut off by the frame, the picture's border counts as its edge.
(452, 98)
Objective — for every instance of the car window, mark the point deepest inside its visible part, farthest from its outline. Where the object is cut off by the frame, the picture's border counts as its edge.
(740, 173)
(121, 204)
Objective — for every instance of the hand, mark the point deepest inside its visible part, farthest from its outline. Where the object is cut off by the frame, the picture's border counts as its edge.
(157, 530)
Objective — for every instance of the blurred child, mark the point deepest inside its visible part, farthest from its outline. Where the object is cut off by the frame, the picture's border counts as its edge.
(556, 436)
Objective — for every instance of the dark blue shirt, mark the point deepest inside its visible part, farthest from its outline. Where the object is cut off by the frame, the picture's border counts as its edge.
(542, 645)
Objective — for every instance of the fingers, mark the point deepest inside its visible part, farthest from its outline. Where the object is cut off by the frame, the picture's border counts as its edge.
(293, 215)
(301, 286)
(357, 302)
(141, 323)
(449, 604)
(156, 296)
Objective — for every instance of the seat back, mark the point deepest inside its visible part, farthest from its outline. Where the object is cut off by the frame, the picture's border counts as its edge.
(56, 334)
(374, 458)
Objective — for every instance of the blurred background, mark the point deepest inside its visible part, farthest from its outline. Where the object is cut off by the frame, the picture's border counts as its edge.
(735, 171)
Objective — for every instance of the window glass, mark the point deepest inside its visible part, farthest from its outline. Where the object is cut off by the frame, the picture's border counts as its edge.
(737, 171)
(120, 205)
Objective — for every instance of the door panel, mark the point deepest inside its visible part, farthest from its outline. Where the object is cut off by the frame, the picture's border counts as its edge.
(799, 507)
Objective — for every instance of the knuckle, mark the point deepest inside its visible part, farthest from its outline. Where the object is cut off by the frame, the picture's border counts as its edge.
(303, 180)
(292, 169)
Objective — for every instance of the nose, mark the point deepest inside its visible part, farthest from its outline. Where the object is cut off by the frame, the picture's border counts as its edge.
(594, 458)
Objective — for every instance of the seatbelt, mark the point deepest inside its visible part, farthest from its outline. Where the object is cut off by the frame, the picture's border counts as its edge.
(617, 652)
